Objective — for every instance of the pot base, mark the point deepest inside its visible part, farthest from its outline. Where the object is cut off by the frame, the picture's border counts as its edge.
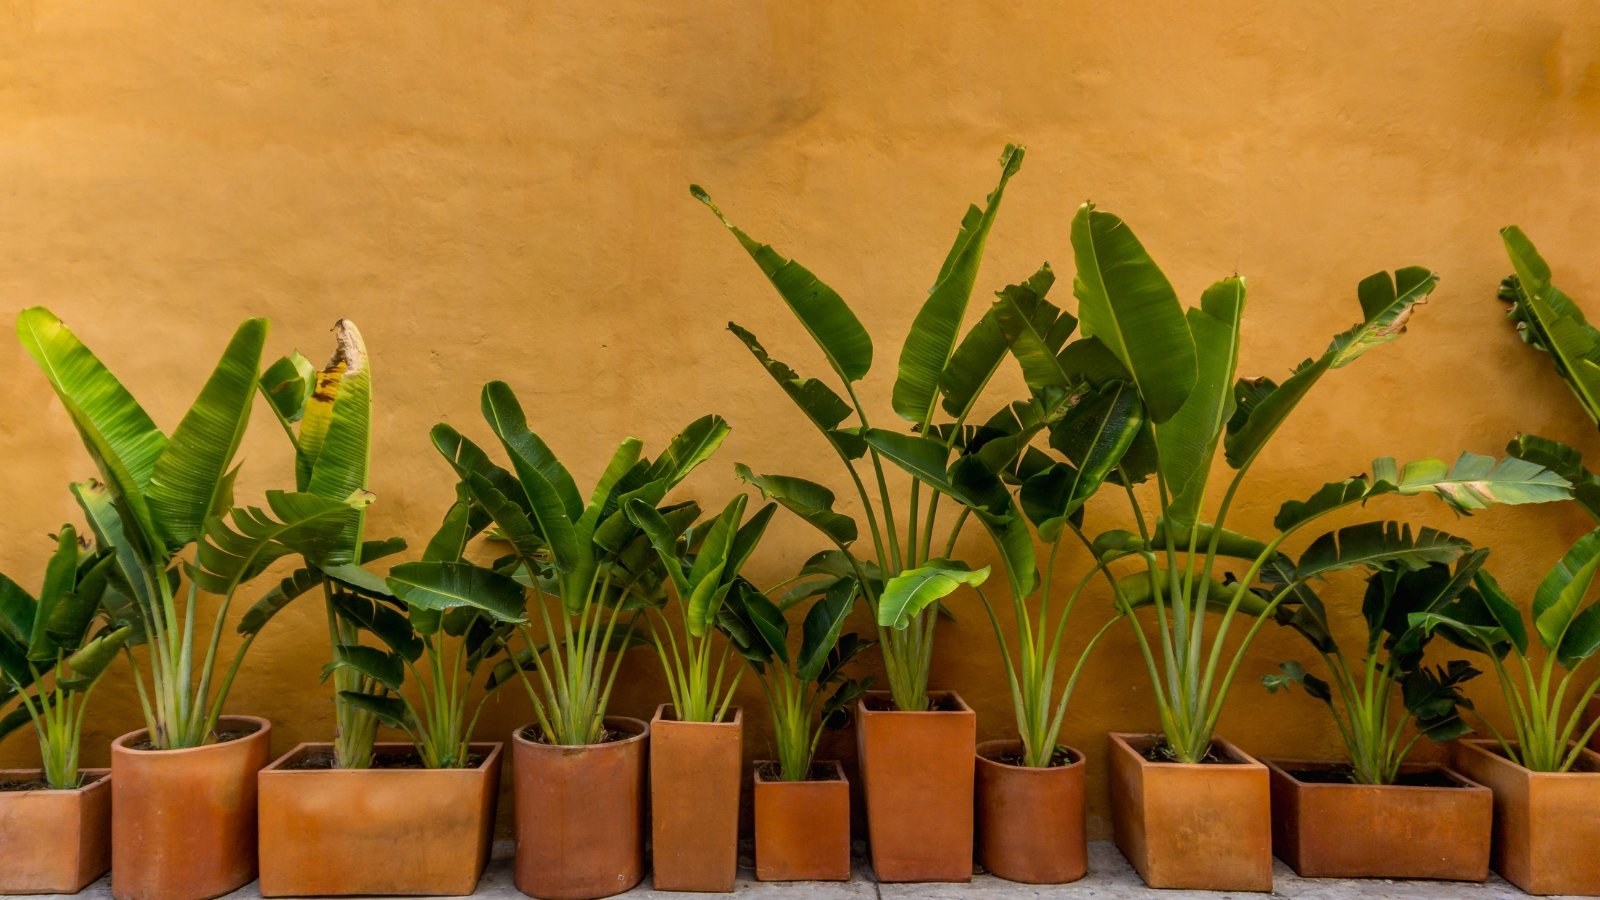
(1203, 826)
(333, 832)
(57, 842)
(1333, 830)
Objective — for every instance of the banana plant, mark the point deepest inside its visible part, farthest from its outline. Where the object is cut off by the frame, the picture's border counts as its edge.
(458, 620)
(327, 416)
(46, 648)
(163, 507)
(702, 565)
(910, 548)
(1362, 693)
(584, 571)
(1547, 732)
(1149, 392)
(807, 689)
(1551, 321)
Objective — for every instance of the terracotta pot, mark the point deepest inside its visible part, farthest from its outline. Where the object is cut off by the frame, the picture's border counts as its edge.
(55, 842)
(803, 827)
(1545, 828)
(917, 776)
(1203, 826)
(333, 832)
(183, 822)
(580, 814)
(695, 773)
(1342, 830)
(1031, 822)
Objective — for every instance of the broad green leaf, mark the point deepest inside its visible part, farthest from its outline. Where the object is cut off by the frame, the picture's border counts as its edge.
(192, 468)
(806, 499)
(981, 352)
(1381, 545)
(116, 431)
(769, 624)
(925, 458)
(381, 621)
(1094, 434)
(1035, 330)
(95, 499)
(1127, 303)
(391, 711)
(906, 595)
(1473, 482)
(688, 449)
(1262, 405)
(823, 313)
(602, 501)
(552, 496)
(1188, 441)
(386, 669)
(1387, 302)
(933, 334)
(1556, 601)
(60, 574)
(820, 404)
(823, 624)
(1549, 319)
(448, 585)
(664, 538)
(16, 611)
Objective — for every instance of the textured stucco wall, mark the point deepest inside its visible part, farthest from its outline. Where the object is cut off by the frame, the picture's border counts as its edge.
(498, 189)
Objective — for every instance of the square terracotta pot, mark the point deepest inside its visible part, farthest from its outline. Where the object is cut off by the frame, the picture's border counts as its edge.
(1545, 826)
(695, 773)
(1341, 830)
(335, 832)
(1203, 826)
(55, 842)
(803, 827)
(917, 771)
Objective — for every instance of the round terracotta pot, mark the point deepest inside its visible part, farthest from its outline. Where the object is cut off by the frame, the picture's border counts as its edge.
(183, 822)
(1031, 822)
(580, 814)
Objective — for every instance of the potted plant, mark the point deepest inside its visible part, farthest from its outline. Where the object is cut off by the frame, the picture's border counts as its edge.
(1373, 815)
(442, 786)
(329, 810)
(580, 774)
(696, 746)
(1156, 387)
(184, 787)
(1541, 772)
(915, 746)
(802, 806)
(1031, 811)
(56, 818)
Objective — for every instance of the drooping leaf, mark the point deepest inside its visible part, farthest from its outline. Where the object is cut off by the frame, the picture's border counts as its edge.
(820, 404)
(806, 499)
(825, 316)
(1378, 545)
(287, 384)
(552, 496)
(449, 585)
(1126, 302)
(932, 339)
(1292, 673)
(1473, 482)
(823, 624)
(391, 711)
(1261, 405)
(1548, 319)
(228, 556)
(906, 595)
(87, 663)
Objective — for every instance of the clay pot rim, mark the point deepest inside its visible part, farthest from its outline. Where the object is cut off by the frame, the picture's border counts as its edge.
(264, 729)
(664, 714)
(101, 777)
(838, 768)
(1079, 760)
(964, 710)
(491, 754)
(1491, 748)
(1464, 786)
(1241, 759)
(644, 733)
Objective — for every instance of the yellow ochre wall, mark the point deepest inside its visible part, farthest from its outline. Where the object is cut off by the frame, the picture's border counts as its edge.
(499, 190)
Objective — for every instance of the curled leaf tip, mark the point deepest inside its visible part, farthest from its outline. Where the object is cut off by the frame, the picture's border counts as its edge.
(350, 349)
